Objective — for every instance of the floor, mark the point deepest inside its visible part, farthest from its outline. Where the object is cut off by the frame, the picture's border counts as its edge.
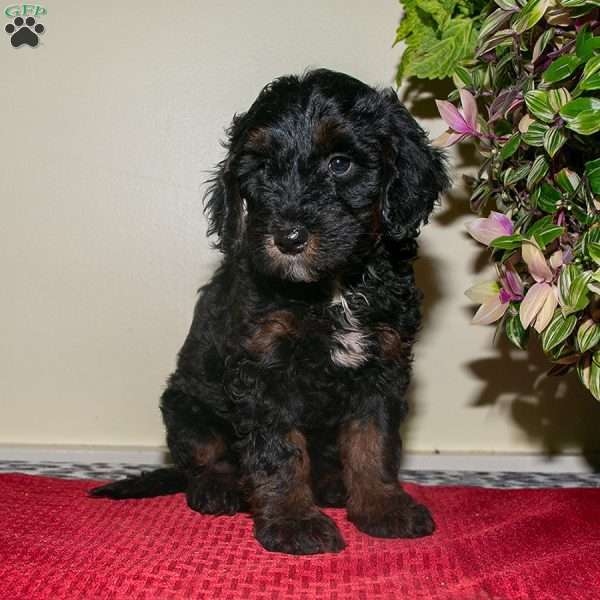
(498, 479)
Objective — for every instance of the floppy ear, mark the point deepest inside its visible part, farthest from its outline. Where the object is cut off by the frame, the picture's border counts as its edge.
(223, 204)
(415, 172)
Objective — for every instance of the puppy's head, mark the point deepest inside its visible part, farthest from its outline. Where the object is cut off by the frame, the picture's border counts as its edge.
(318, 170)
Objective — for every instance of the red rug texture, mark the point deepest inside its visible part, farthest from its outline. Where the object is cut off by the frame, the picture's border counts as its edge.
(491, 544)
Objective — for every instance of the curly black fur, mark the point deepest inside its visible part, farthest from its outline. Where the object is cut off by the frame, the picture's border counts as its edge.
(289, 388)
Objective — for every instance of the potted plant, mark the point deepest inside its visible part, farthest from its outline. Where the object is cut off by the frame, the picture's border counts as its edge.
(527, 82)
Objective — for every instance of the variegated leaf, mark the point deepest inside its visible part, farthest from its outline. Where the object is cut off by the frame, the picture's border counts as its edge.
(531, 13)
(588, 335)
(539, 106)
(541, 43)
(567, 180)
(511, 176)
(539, 168)
(584, 367)
(561, 68)
(510, 147)
(594, 386)
(557, 98)
(534, 136)
(554, 139)
(586, 122)
(559, 329)
(515, 331)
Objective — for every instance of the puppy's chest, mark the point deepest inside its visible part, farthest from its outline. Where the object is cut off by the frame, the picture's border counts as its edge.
(344, 334)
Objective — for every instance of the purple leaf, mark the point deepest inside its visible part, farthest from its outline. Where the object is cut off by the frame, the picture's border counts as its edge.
(452, 116)
(536, 263)
(490, 311)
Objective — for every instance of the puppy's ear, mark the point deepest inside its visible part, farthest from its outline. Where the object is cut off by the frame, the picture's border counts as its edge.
(223, 204)
(414, 172)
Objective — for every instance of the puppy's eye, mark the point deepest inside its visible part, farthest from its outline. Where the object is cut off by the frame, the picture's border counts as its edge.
(340, 165)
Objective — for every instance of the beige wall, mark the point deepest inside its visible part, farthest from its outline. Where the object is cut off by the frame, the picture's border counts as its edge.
(108, 128)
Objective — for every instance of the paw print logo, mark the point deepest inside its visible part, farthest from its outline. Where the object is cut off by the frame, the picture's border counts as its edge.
(24, 32)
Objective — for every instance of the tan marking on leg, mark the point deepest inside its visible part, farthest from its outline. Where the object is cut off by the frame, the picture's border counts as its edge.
(361, 450)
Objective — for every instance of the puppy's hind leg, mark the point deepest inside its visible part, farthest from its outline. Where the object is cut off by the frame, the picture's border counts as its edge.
(200, 445)
(214, 485)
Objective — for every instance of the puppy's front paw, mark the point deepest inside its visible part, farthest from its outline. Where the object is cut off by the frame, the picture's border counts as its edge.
(314, 533)
(397, 517)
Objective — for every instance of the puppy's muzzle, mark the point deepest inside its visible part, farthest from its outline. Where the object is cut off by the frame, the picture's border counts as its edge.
(291, 240)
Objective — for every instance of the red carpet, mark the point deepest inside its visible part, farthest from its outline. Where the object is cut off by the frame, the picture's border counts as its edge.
(55, 543)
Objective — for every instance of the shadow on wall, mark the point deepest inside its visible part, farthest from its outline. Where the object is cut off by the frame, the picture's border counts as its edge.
(555, 412)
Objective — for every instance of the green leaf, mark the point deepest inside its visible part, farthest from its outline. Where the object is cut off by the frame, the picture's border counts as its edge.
(592, 172)
(586, 122)
(549, 235)
(567, 180)
(462, 77)
(579, 3)
(541, 43)
(534, 136)
(562, 354)
(590, 236)
(513, 175)
(578, 294)
(500, 38)
(568, 274)
(592, 66)
(440, 12)
(544, 230)
(561, 68)
(559, 329)
(570, 110)
(591, 83)
(593, 250)
(507, 242)
(583, 369)
(590, 78)
(547, 197)
(507, 4)
(539, 168)
(493, 22)
(438, 35)
(586, 43)
(594, 385)
(554, 138)
(511, 146)
(539, 225)
(436, 58)
(588, 335)
(532, 12)
(515, 331)
(558, 97)
(539, 106)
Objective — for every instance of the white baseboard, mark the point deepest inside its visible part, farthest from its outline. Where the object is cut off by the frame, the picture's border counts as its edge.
(494, 462)
(141, 455)
(418, 461)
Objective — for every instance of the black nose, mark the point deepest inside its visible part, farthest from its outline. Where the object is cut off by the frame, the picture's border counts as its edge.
(292, 240)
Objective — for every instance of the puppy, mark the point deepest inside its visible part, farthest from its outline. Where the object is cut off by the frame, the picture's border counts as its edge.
(289, 389)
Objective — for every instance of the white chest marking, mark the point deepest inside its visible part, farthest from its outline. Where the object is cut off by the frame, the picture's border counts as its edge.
(350, 342)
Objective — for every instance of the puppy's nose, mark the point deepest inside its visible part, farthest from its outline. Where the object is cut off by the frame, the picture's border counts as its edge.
(292, 240)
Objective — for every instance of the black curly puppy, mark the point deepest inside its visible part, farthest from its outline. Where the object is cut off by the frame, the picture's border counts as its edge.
(289, 388)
